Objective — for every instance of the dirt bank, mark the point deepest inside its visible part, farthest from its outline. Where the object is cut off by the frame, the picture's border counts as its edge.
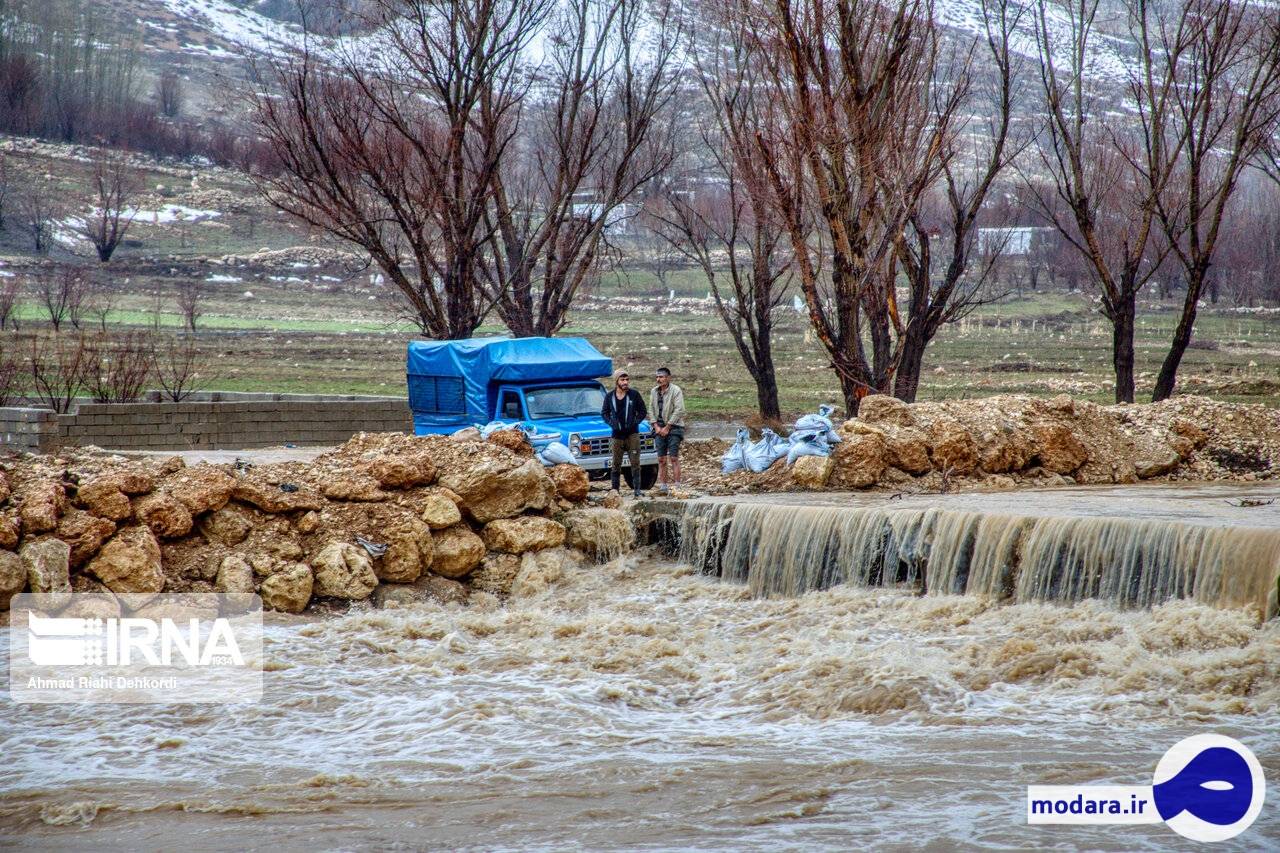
(1013, 441)
(391, 518)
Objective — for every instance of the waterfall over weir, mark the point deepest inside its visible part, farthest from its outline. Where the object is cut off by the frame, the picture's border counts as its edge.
(1134, 547)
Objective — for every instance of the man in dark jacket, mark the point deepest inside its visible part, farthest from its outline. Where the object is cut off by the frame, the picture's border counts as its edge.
(624, 411)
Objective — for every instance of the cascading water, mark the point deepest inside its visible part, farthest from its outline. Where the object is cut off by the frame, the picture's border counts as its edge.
(1058, 547)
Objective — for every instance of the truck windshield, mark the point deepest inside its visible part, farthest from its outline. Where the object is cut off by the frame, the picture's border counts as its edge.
(564, 402)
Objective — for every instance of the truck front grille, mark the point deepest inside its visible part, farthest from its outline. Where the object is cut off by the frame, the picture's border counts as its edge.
(600, 446)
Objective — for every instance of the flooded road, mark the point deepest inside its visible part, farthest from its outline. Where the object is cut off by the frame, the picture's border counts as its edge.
(641, 705)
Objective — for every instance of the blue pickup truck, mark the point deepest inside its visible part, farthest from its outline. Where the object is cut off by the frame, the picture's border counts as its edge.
(551, 384)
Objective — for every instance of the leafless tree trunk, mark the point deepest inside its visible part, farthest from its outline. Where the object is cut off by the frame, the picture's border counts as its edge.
(1104, 178)
(114, 189)
(858, 131)
(396, 150)
(593, 135)
(101, 301)
(1225, 111)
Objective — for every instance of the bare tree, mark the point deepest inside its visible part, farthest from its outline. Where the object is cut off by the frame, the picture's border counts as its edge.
(62, 289)
(58, 366)
(856, 133)
(396, 150)
(10, 302)
(190, 299)
(1222, 58)
(38, 211)
(1104, 179)
(945, 283)
(115, 187)
(731, 230)
(169, 94)
(117, 369)
(178, 366)
(11, 368)
(6, 181)
(592, 137)
(101, 301)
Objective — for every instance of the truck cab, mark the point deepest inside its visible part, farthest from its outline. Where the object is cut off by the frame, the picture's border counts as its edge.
(549, 385)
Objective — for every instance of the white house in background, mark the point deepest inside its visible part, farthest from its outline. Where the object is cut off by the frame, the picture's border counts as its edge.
(619, 220)
(1018, 242)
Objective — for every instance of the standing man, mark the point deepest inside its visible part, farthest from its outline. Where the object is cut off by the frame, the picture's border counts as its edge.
(666, 401)
(624, 411)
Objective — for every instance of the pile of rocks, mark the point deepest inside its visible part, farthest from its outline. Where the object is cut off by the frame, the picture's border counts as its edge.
(391, 518)
(1013, 441)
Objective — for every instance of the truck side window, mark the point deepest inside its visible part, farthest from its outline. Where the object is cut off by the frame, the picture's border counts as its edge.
(511, 405)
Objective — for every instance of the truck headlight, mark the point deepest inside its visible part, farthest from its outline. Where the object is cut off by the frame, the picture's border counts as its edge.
(575, 440)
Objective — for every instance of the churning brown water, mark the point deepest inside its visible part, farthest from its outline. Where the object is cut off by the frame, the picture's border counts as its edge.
(641, 704)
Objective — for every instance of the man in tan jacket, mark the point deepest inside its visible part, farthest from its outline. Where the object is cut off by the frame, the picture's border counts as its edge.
(666, 416)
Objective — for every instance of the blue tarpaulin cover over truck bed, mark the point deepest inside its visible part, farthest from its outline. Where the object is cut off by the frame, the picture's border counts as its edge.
(451, 382)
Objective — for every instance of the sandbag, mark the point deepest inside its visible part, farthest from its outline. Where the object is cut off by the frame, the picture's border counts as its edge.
(820, 423)
(765, 452)
(556, 453)
(735, 458)
(814, 445)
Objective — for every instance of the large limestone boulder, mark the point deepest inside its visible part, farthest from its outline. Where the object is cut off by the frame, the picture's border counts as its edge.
(539, 571)
(85, 533)
(269, 497)
(1060, 450)
(428, 588)
(130, 562)
(907, 449)
(457, 551)
(571, 482)
(1008, 448)
(226, 526)
(343, 571)
(352, 486)
(812, 472)
(134, 482)
(524, 533)
(13, 577)
(48, 564)
(496, 574)
(401, 472)
(952, 447)
(167, 517)
(288, 590)
(439, 511)
(599, 532)
(103, 498)
(410, 551)
(858, 461)
(234, 575)
(501, 488)
(513, 440)
(1156, 463)
(201, 489)
(42, 504)
(8, 532)
(883, 409)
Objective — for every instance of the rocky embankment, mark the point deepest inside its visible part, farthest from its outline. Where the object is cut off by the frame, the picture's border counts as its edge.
(389, 518)
(1013, 441)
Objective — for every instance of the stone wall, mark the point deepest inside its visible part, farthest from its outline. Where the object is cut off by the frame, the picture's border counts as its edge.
(205, 421)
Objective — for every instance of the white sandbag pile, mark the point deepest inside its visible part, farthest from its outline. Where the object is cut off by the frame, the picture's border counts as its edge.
(812, 435)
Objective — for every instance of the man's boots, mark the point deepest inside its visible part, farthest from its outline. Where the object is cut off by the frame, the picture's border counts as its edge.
(613, 479)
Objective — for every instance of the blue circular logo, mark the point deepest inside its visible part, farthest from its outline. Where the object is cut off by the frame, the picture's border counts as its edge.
(1209, 787)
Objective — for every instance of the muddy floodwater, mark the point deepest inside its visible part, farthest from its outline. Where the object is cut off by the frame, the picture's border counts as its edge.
(640, 704)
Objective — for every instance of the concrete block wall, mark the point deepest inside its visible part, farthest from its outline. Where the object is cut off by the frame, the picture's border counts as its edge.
(209, 421)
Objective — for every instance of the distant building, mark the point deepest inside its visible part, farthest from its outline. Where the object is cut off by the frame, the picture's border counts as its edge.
(618, 220)
(1018, 242)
